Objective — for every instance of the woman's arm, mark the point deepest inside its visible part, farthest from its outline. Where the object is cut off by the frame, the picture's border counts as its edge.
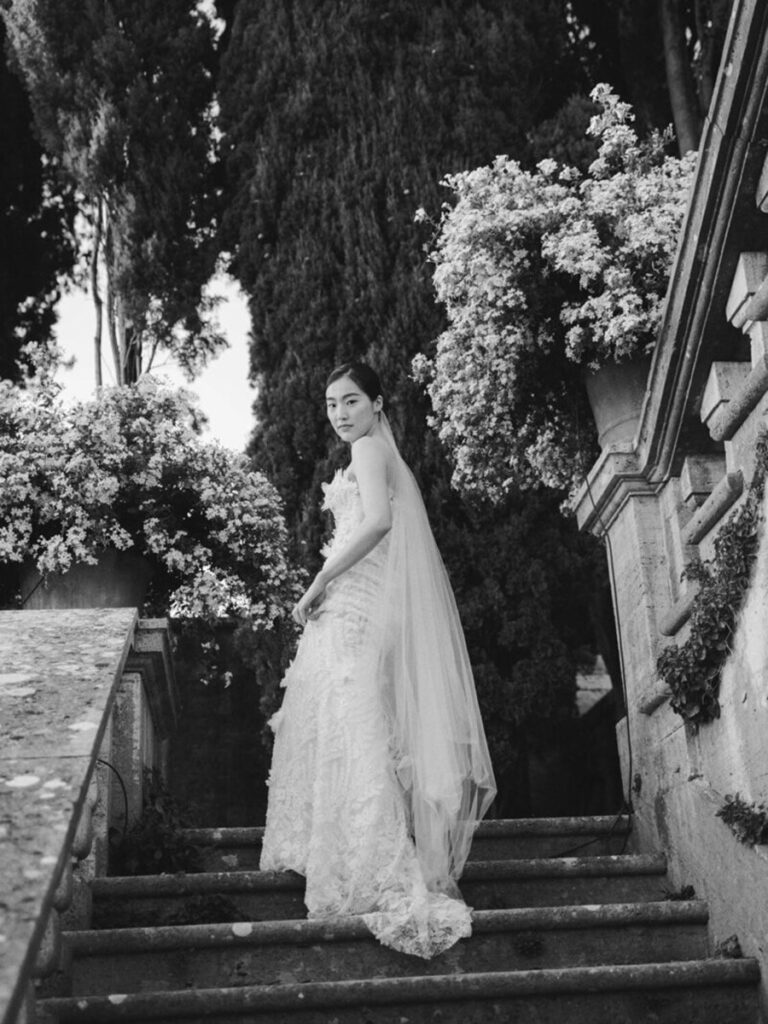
(369, 465)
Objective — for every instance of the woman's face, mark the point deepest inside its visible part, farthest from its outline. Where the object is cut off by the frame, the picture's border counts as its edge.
(350, 410)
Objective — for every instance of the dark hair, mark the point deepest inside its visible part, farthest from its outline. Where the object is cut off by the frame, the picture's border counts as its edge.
(362, 375)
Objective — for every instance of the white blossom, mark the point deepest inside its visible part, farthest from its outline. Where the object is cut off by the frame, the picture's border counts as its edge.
(129, 470)
(543, 274)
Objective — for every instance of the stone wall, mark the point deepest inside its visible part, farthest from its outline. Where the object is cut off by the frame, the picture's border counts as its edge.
(679, 776)
(61, 675)
(661, 498)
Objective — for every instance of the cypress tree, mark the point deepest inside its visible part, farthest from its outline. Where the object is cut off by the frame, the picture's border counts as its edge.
(121, 95)
(339, 120)
(37, 234)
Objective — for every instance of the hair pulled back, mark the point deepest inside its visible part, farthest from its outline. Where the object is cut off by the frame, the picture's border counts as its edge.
(362, 375)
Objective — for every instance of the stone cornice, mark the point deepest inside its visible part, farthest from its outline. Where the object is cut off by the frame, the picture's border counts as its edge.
(708, 251)
(712, 237)
(613, 480)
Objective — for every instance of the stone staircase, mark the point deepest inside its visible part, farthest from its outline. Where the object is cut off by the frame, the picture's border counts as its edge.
(567, 929)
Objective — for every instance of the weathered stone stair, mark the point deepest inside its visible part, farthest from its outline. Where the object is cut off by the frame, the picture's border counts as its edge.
(556, 938)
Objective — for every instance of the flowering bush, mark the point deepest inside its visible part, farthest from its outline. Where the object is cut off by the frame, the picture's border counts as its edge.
(545, 274)
(129, 470)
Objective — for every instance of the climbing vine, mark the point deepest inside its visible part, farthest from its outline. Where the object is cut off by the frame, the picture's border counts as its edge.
(748, 822)
(692, 670)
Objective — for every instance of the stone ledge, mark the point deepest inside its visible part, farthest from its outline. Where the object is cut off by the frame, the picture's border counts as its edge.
(724, 423)
(37, 797)
(700, 976)
(724, 382)
(700, 476)
(157, 886)
(613, 480)
(714, 508)
(756, 308)
(652, 697)
(749, 274)
(761, 191)
(490, 828)
(60, 671)
(101, 942)
(676, 616)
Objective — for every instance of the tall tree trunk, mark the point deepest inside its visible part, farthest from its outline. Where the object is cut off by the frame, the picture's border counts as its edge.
(98, 305)
(121, 339)
(131, 350)
(129, 344)
(682, 93)
(152, 354)
(113, 338)
(111, 310)
(711, 24)
(640, 56)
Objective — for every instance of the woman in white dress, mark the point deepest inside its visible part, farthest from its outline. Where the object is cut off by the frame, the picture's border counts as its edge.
(380, 768)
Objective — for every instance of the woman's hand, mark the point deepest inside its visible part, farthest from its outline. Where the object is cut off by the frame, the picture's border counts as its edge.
(309, 605)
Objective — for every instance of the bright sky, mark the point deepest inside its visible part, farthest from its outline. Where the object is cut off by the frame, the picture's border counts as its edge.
(225, 394)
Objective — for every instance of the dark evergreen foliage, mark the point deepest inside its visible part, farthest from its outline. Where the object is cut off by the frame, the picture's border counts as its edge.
(624, 47)
(121, 96)
(36, 241)
(622, 42)
(564, 137)
(339, 121)
(528, 585)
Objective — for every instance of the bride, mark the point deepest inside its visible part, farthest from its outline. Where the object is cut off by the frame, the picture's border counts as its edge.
(380, 769)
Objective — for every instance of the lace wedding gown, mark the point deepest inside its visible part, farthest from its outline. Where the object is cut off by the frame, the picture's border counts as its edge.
(336, 811)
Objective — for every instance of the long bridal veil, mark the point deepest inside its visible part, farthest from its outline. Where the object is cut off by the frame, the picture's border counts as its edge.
(441, 754)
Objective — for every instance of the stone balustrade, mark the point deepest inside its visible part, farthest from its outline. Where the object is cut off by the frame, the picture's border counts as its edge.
(662, 499)
(85, 695)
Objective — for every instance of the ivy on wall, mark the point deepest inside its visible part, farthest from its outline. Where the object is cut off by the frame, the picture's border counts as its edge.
(692, 670)
(748, 822)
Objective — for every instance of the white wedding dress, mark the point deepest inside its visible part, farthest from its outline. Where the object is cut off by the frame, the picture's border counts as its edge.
(336, 812)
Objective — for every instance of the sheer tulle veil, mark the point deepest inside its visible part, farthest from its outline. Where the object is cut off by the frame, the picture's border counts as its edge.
(441, 753)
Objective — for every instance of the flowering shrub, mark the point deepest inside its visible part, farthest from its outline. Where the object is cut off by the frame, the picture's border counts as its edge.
(545, 274)
(129, 470)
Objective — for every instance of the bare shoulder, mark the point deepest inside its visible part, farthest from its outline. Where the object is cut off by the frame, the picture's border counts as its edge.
(370, 453)
(370, 447)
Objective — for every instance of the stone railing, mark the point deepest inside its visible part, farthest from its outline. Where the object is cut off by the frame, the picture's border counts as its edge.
(662, 500)
(87, 702)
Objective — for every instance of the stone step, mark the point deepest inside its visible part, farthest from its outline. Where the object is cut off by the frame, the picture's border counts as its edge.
(231, 849)
(697, 992)
(267, 896)
(268, 953)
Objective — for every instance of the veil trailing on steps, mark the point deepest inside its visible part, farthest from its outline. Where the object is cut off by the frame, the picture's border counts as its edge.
(436, 732)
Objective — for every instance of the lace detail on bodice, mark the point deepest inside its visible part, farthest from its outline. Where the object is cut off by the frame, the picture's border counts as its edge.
(342, 498)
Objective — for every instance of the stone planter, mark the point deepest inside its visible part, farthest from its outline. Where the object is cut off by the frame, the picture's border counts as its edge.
(616, 393)
(119, 580)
